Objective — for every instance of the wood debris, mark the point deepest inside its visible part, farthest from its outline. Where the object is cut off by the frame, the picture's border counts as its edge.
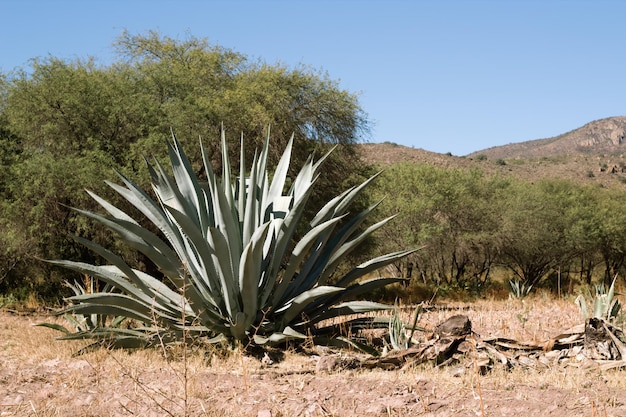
(595, 343)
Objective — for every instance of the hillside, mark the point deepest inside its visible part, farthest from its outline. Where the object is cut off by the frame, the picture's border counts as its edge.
(604, 136)
(593, 153)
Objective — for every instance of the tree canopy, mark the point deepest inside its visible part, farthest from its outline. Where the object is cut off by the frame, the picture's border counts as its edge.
(65, 125)
(470, 224)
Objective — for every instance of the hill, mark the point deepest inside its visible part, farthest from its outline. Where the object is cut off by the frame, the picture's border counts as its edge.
(594, 154)
(605, 136)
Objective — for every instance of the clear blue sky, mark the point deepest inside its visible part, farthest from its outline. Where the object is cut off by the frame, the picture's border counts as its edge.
(445, 76)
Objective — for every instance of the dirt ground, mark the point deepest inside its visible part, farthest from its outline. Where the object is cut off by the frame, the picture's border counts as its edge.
(40, 377)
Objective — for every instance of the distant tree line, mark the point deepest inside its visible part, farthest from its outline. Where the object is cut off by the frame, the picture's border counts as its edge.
(471, 225)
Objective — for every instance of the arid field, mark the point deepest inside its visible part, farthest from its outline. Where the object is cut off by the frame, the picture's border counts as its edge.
(39, 376)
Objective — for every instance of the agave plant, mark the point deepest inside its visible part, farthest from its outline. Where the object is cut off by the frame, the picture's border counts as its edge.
(605, 305)
(519, 289)
(90, 323)
(398, 336)
(233, 268)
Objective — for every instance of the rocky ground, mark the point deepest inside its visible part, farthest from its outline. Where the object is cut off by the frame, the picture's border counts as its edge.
(40, 377)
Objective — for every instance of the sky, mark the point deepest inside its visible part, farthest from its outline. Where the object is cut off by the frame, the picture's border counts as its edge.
(441, 75)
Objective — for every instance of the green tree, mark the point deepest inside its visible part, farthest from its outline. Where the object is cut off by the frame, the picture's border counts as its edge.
(610, 234)
(536, 220)
(68, 124)
(583, 235)
(453, 212)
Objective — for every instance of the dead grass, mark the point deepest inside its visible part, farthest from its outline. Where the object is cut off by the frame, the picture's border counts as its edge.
(39, 377)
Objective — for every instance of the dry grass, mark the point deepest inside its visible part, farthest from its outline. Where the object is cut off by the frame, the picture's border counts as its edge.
(39, 376)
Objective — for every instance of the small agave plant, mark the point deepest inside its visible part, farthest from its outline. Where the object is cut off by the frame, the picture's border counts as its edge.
(232, 266)
(604, 304)
(519, 289)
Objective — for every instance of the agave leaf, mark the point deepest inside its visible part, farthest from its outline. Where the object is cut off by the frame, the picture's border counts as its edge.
(140, 200)
(116, 260)
(352, 292)
(580, 302)
(167, 192)
(263, 182)
(346, 343)
(262, 167)
(142, 240)
(220, 338)
(251, 269)
(226, 221)
(88, 308)
(614, 310)
(279, 337)
(350, 227)
(251, 216)
(112, 275)
(239, 325)
(300, 251)
(226, 172)
(611, 292)
(117, 343)
(280, 175)
(304, 179)
(348, 308)
(114, 339)
(110, 208)
(354, 193)
(282, 247)
(329, 208)
(373, 265)
(117, 321)
(187, 183)
(323, 304)
(110, 333)
(226, 273)
(348, 247)
(309, 274)
(340, 204)
(223, 210)
(339, 253)
(295, 307)
(126, 302)
(54, 326)
(72, 320)
(197, 257)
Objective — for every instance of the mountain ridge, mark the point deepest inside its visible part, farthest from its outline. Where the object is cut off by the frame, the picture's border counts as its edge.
(605, 135)
(594, 153)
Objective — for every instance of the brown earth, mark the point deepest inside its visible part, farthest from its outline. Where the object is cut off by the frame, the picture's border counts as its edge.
(593, 154)
(40, 377)
(604, 136)
(603, 170)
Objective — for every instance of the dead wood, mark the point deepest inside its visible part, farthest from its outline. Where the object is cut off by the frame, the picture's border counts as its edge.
(596, 342)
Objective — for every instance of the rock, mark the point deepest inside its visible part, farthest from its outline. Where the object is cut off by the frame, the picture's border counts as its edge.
(456, 326)
(327, 364)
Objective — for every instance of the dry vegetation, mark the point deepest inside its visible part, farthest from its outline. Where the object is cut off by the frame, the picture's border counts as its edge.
(588, 155)
(40, 377)
(580, 168)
